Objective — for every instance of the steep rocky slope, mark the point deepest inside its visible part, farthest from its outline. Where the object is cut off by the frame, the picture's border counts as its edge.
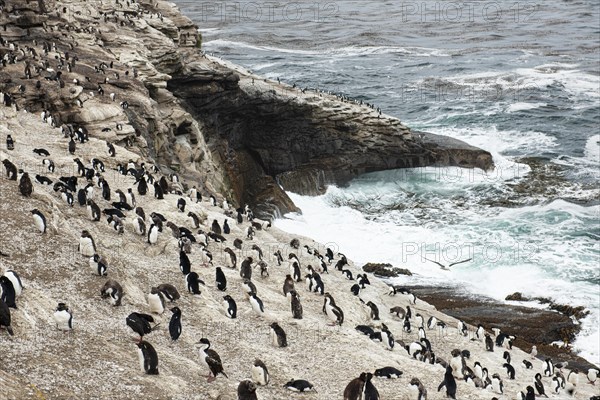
(98, 358)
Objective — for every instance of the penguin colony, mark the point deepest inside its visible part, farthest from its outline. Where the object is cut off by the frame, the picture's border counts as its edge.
(217, 263)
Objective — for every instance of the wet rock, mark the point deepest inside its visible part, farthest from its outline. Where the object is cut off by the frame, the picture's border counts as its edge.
(385, 270)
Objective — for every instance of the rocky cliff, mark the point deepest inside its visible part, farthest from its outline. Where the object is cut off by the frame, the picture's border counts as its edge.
(220, 126)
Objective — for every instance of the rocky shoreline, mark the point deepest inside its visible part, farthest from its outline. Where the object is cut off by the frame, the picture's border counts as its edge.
(532, 326)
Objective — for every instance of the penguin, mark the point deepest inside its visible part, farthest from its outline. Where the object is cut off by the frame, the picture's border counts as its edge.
(130, 197)
(527, 364)
(220, 279)
(510, 370)
(5, 318)
(98, 265)
(87, 247)
(506, 356)
(592, 376)
(232, 257)
(246, 390)
(210, 359)
(111, 149)
(140, 323)
(347, 274)
(11, 170)
(335, 314)
(462, 328)
(39, 219)
(49, 164)
(355, 289)
(184, 263)
(355, 388)
(432, 323)
(139, 226)
(489, 343)
(299, 385)
(25, 185)
(156, 301)
(112, 290)
(279, 257)
(557, 383)
(181, 205)
(81, 198)
(539, 385)
(573, 377)
(226, 228)
(153, 234)
(417, 386)
(142, 187)
(215, 227)
(480, 332)
(421, 333)
(93, 210)
(249, 287)
(387, 338)
(158, 192)
(414, 349)
(148, 358)
(548, 367)
(41, 152)
(295, 271)
(10, 143)
(175, 323)
(533, 352)
(374, 311)
(195, 219)
(370, 392)
(449, 383)
(257, 304)
(295, 304)
(71, 146)
(15, 279)
(237, 243)
(497, 384)
(43, 180)
(63, 317)
(246, 268)
(278, 336)
(258, 251)
(362, 280)
(366, 330)
(260, 373)
(168, 291)
(288, 285)
(7, 292)
(388, 373)
(193, 283)
(406, 326)
(230, 307)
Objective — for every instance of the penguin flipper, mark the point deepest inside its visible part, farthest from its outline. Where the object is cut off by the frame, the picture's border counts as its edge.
(442, 385)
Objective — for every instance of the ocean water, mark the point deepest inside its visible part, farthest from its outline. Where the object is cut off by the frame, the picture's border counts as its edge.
(519, 79)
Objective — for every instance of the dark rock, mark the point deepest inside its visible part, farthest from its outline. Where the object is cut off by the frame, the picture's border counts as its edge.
(517, 296)
(385, 270)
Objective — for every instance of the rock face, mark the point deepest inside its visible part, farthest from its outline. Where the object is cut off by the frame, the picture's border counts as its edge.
(222, 128)
(306, 141)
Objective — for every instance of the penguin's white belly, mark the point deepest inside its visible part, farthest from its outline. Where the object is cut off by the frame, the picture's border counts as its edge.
(258, 375)
(155, 304)
(86, 248)
(141, 359)
(62, 320)
(153, 236)
(39, 223)
(330, 313)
